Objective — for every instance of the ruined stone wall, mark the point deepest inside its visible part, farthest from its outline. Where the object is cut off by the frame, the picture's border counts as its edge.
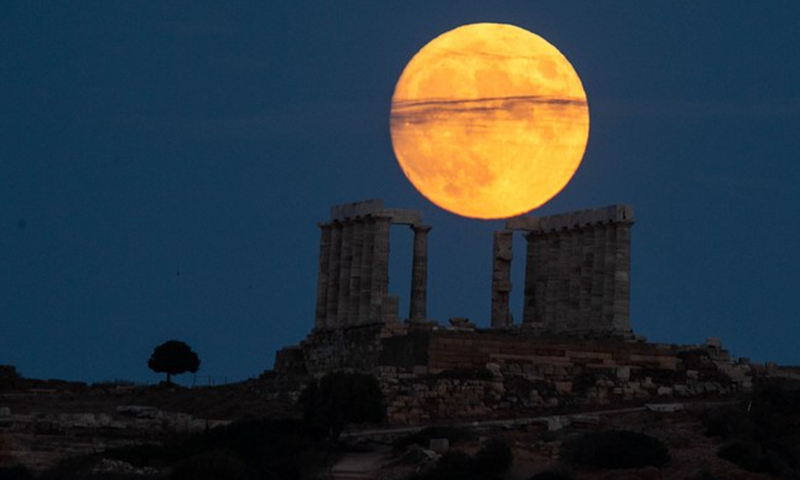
(486, 375)
(351, 348)
(456, 350)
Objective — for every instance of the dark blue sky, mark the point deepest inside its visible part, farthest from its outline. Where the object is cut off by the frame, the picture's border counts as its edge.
(163, 166)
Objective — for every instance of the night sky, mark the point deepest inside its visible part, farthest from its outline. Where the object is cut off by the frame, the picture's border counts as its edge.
(163, 167)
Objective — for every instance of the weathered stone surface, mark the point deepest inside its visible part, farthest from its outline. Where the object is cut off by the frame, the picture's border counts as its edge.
(439, 445)
(419, 275)
(501, 280)
(577, 275)
(353, 271)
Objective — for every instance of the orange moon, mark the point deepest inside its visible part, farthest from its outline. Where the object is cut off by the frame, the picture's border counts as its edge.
(489, 121)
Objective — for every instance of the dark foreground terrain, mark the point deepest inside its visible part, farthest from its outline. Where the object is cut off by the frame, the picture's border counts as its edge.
(58, 430)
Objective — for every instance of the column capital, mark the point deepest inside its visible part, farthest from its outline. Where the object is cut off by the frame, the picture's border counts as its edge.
(421, 228)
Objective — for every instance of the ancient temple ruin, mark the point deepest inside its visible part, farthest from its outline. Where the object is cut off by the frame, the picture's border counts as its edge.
(574, 344)
(577, 273)
(353, 279)
(577, 282)
(577, 270)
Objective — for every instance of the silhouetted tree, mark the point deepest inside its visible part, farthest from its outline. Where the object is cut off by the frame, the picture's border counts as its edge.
(173, 357)
(339, 398)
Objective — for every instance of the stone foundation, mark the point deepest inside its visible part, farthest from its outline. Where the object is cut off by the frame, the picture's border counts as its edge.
(488, 374)
(431, 375)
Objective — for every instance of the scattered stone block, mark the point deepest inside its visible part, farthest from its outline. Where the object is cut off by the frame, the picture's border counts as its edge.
(556, 423)
(664, 407)
(664, 391)
(439, 445)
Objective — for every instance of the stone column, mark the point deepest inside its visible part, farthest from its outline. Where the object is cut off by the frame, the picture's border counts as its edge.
(573, 280)
(562, 284)
(551, 279)
(334, 257)
(541, 250)
(346, 260)
(355, 271)
(609, 270)
(529, 292)
(586, 274)
(366, 270)
(380, 266)
(501, 279)
(622, 286)
(322, 274)
(418, 310)
(598, 272)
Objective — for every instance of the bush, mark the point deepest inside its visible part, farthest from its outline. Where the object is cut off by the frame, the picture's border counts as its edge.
(210, 466)
(761, 434)
(616, 449)
(17, 472)
(453, 465)
(340, 398)
(269, 449)
(725, 423)
(489, 463)
(743, 452)
(553, 475)
(703, 474)
(494, 457)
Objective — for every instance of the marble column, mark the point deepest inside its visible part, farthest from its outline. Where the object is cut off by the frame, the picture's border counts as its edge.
(541, 250)
(586, 274)
(346, 260)
(598, 273)
(366, 270)
(322, 274)
(355, 271)
(609, 271)
(529, 292)
(380, 266)
(562, 284)
(622, 286)
(418, 310)
(551, 278)
(334, 257)
(501, 279)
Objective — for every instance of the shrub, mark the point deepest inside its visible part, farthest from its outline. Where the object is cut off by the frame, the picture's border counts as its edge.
(557, 474)
(724, 423)
(210, 466)
(340, 398)
(616, 449)
(761, 434)
(703, 474)
(494, 457)
(743, 452)
(269, 449)
(17, 472)
(489, 463)
(453, 465)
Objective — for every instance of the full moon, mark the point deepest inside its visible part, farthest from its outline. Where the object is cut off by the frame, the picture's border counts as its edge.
(489, 121)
